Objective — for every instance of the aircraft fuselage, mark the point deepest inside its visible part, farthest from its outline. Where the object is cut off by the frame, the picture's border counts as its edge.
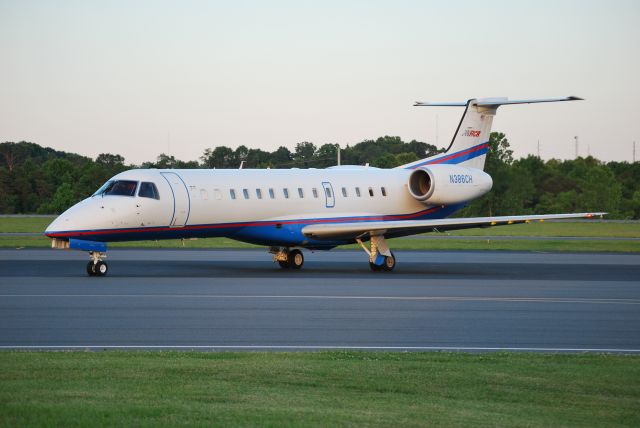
(265, 207)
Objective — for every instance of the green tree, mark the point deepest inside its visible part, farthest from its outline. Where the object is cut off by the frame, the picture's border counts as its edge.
(240, 155)
(257, 158)
(405, 158)
(498, 165)
(499, 154)
(220, 157)
(40, 179)
(109, 160)
(385, 161)
(326, 155)
(304, 153)
(282, 157)
(62, 199)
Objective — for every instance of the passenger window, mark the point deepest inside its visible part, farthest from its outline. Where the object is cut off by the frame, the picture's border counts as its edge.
(232, 193)
(357, 191)
(315, 192)
(285, 191)
(328, 192)
(384, 191)
(300, 192)
(217, 194)
(272, 194)
(148, 190)
(245, 192)
(370, 191)
(344, 192)
(259, 193)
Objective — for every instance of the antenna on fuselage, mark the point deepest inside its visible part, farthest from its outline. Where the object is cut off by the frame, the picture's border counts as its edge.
(241, 164)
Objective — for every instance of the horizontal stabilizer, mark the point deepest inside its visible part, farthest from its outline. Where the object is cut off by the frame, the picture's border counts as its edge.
(496, 102)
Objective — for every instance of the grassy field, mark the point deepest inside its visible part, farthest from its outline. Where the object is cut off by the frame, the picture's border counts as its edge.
(317, 389)
(396, 244)
(559, 228)
(564, 228)
(549, 229)
(24, 224)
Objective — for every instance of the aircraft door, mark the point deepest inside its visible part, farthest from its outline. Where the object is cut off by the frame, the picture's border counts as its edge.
(181, 201)
(329, 196)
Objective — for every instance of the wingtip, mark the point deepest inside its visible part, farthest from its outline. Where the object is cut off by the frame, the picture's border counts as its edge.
(593, 215)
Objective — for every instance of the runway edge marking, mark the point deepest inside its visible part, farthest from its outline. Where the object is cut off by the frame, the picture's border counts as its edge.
(330, 297)
(323, 347)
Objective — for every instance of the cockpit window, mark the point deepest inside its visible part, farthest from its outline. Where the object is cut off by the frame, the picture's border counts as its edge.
(106, 185)
(118, 188)
(148, 190)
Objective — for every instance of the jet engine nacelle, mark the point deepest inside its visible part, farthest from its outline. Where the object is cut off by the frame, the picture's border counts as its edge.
(448, 184)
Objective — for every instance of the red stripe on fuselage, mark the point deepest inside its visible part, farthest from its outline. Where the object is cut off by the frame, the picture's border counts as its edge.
(245, 224)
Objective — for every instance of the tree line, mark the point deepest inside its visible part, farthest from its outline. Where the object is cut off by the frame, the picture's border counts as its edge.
(35, 179)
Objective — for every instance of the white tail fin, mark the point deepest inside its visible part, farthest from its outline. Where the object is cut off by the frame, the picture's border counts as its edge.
(470, 142)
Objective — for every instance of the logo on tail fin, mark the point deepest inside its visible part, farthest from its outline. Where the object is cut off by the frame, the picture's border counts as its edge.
(470, 132)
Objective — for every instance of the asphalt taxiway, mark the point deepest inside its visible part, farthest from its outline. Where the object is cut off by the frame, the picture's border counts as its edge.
(240, 299)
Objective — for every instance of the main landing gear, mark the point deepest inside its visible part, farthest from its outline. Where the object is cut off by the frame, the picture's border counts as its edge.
(286, 258)
(381, 258)
(97, 266)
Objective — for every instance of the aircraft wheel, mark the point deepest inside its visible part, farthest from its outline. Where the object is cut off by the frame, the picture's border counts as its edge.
(389, 263)
(90, 267)
(101, 268)
(296, 259)
(374, 267)
(284, 264)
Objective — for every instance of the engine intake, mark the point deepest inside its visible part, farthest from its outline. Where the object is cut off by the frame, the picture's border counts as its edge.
(421, 184)
(448, 184)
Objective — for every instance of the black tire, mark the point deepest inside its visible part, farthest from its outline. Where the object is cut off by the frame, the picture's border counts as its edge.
(90, 270)
(296, 259)
(374, 267)
(389, 263)
(101, 268)
(284, 264)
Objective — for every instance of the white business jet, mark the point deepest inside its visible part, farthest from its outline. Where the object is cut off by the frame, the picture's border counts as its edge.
(291, 209)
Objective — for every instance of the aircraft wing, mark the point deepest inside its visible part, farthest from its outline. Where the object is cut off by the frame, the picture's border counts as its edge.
(410, 227)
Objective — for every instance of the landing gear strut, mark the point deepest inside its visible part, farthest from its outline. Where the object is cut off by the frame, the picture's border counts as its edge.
(381, 258)
(97, 266)
(288, 259)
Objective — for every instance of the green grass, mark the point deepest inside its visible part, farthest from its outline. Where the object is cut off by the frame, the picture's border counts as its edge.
(317, 389)
(551, 229)
(511, 245)
(395, 244)
(25, 224)
(564, 228)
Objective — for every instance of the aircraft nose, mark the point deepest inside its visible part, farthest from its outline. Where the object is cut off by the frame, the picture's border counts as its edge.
(74, 219)
(57, 226)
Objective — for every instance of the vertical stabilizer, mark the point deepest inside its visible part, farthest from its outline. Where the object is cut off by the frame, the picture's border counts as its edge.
(470, 142)
(472, 135)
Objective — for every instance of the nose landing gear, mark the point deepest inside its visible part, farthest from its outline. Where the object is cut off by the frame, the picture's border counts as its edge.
(97, 267)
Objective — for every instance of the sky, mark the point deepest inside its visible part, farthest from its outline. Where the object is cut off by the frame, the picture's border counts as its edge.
(140, 78)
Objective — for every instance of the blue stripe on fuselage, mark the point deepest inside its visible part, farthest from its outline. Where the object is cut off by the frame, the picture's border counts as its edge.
(269, 233)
